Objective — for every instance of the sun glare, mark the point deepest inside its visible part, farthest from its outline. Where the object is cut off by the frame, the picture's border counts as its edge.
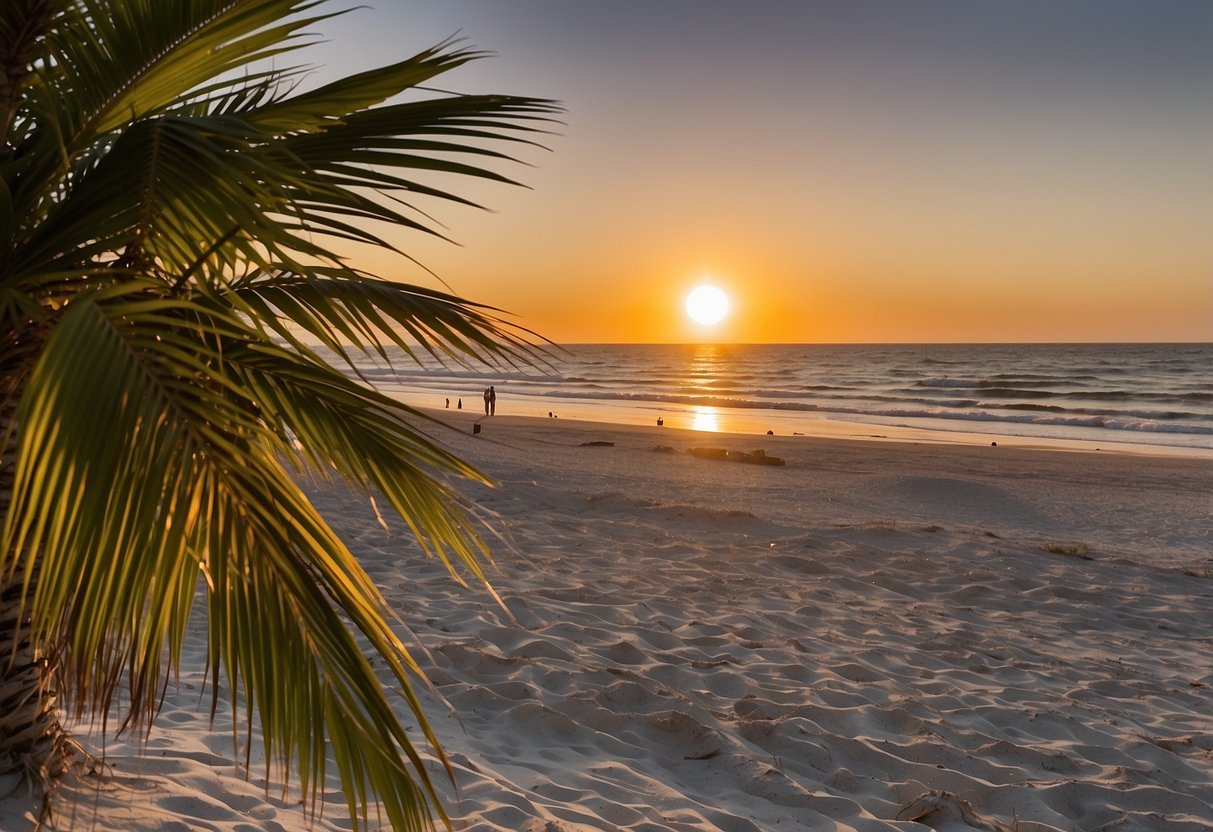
(707, 305)
(704, 418)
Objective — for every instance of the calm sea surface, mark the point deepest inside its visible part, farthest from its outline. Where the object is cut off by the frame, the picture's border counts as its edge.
(1156, 394)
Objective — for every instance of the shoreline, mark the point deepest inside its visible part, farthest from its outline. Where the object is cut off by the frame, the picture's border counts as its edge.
(756, 427)
(1139, 398)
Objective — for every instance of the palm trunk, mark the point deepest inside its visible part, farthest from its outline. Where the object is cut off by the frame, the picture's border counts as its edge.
(33, 742)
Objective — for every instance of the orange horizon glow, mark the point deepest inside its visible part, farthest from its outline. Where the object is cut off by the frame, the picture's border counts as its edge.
(843, 307)
(1017, 174)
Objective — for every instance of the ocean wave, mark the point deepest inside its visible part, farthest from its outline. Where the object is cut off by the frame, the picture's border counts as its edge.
(992, 388)
(1144, 415)
(1038, 377)
(999, 383)
(1116, 423)
(949, 383)
(989, 387)
(1059, 390)
(740, 394)
(487, 375)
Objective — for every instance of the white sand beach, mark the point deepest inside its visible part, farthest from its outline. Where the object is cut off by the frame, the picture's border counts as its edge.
(873, 636)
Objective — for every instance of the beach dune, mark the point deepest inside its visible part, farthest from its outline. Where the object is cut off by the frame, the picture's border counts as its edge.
(873, 636)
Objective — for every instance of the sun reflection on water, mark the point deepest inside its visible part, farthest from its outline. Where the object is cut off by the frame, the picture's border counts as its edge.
(705, 418)
(707, 362)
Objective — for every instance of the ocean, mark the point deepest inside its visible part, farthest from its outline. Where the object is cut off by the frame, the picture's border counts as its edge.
(1148, 394)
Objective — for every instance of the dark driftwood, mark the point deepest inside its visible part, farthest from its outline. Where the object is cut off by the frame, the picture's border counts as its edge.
(754, 458)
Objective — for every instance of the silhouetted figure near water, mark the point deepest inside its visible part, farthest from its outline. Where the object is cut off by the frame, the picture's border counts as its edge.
(460, 404)
(448, 404)
(490, 401)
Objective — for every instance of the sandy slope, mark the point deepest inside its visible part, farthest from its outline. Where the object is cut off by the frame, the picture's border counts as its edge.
(873, 636)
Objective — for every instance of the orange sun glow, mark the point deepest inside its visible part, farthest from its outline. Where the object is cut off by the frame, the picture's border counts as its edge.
(707, 305)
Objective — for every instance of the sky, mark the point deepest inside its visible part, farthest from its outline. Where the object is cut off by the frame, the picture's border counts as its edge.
(847, 171)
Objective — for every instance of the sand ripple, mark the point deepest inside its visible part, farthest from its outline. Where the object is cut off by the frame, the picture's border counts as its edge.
(684, 667)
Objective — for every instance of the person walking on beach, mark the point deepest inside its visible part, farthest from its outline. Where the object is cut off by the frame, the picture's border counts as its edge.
(490, 401)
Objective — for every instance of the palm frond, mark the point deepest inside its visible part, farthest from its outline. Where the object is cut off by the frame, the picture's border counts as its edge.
(169, 203)
(106, 63)
(280, 572)
(366, 439)
(369, 148)
(340, 309)
(320, 108)
(188, 428)
(213, 188)
(164, 190)
(127, 60)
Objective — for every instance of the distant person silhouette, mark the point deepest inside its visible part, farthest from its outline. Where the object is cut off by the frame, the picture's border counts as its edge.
(460, 407)
(490, 401)
(448, 403)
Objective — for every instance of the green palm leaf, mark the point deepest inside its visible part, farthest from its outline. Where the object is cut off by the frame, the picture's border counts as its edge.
(124, 61)
(205, 492)
(167, 205)
(340, 308)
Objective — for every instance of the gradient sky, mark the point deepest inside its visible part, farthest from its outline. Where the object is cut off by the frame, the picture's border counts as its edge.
(847, 170)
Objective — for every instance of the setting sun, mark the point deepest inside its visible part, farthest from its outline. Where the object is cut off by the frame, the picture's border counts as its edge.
(707, 305)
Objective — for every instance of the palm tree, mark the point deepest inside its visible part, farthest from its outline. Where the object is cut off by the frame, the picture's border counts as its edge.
(170, 204)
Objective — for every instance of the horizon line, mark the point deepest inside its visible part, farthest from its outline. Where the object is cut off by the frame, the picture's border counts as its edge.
(880, 343)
